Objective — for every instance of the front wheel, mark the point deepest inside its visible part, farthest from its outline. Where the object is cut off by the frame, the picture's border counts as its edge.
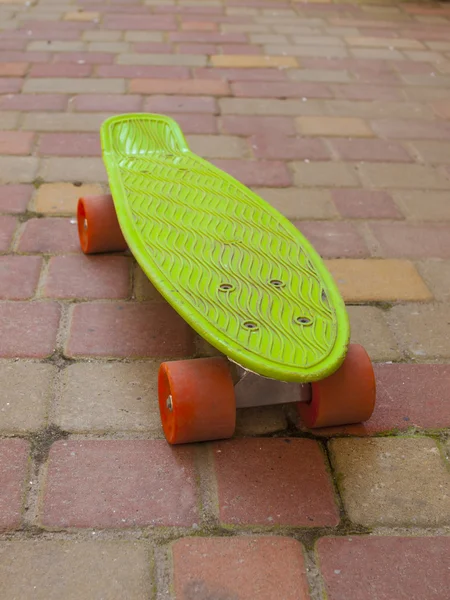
(98, 227)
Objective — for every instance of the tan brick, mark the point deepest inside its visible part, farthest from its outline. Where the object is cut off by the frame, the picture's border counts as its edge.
(444, 46)
(9, 120)
(18, 169)
(113, 47)
(392, 481)
(143, 36)
(64, 569)
(443, 66)
(423, 331)
(424, 205)
(64, 121)
(306, 51)
(433, 152)
(267, 38)
(218, 146)
(260, 421)
(198, 87)
(252, 61)
(442, 108)
(187, 60)
(333, 126)
(376, 42)
(62, 198)
(255, 106)
(327, 174)
(374, 110)
(82, 16)
(316, 40)
(373, 280)
(300, 204)
(67, 169)
(74, 86)
(436, 274)
(320, 75)
(386, 175)
(143, 289)
(109, 397)
(102, 36)
(425, 56)
(242, 28)
(27, 392)
(376, 54)
(55, 46)
(369, 328)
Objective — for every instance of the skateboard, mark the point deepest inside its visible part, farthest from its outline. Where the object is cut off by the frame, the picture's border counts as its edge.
(239, 273)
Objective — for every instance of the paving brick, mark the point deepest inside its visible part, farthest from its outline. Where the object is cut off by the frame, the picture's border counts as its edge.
(187, 60)
(12, 69)
(365, 204)
(69, 144)
(261, 420)
(256, 173)
(292, 50)
(130, 330)
(386, 175)
(62, 198)
(89, 58)
(253, 61)
(288, 148)
(94, 277)
(119, 483)
(333, 126)
(330, 174)
(33, 102)
(333, 239)
(74, 86)
(242, 567)
(362, 91)
(241, 74)
(370, 329)
(139, 22)
(10, 85)
(102, 36)
(67, 169)
(267, 107)
(436, 273)
(422, 331)
(49, 236)
(267, 469)
(379, 42)
(197, 123)
(423, 205)
(7, 228)
(15, 198)
(198, 26)
(370, 150)
(41, 121)
(143, 36)
(392, 481)
(113, 47)
(202, 37)
(434, 152)
(281, 89)
(55, 46)
(180, 104)
(300, 204)
(19, 276)
(325, 76)
(413, 240)
(218, 146)
(15, 169)
(243, 125)
(134, 71)
(26, 397)
(143, 289)
(60, 70)
(196, 87)
(400, 567)
(411, 129)
(391, 111)
(442, 108)
(28, 329)
(13, 470)
(109, 397)
(29, 57)
(376, 54)
(82, 16)
(156, 47)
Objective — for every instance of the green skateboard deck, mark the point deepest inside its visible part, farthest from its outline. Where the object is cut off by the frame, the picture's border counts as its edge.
(231, 265)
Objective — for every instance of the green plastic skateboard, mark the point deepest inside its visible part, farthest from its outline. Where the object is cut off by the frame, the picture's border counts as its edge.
(237, 271)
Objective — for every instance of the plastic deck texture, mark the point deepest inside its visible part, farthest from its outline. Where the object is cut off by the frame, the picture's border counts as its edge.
(231, 265)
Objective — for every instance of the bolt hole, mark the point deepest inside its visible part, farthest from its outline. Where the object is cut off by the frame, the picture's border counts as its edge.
(250, 325)
(276, 283)
(303, 320)
(225, 287)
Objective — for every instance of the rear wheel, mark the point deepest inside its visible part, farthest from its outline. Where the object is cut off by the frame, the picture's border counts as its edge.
(98, 227)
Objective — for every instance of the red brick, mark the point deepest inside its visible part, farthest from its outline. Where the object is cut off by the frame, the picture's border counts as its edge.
(13, 69)
(49, 235)
(120, 483)
(29, 102)
(198, 26)
(273, 482)
(60, 70)
(197, 123)
(410, 568)
(16, 142)
(19, 276)
(365, 204)
(79, 276)
(258, 173)
(49, 26)
(28, 57)
(134, 71)
(208, 49)
(129, 330)
(343, 64)
(247, 125)
(88, 58)
(139, 22)
(208, 38)
(411, 130)
(69, 144)
(181, 104)
(13, 473)
(371, 76)
(356, 91)
(7, 227)
(15, 198)
(409, 67)
(240, 74)
(12, 45)
(370, 150)
(115, 103)
(207, 87)
(153, 48)
(413, 240)
(288, 148)
(259, 89)
(28, 329)
(240, 49)
(241, 568)
(10, 85)
(334, 239)
(200, 9)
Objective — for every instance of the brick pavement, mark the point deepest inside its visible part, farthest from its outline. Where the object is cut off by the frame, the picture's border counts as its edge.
(336, 113)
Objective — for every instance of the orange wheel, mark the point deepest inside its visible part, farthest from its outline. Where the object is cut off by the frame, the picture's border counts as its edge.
(196, 400)
(347, 396)
(98, 227)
